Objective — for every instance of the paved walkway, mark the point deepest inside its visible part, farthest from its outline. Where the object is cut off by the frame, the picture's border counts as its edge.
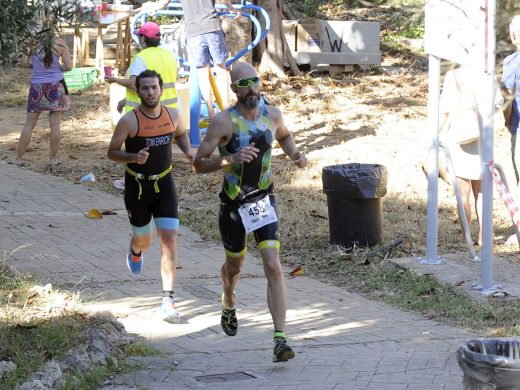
(342, 341)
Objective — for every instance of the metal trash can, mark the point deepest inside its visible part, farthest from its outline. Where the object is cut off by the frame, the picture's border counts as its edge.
(490, 364)
(355, 207)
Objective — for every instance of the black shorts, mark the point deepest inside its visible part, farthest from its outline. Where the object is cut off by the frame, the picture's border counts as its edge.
(233, 233)
(163, 205)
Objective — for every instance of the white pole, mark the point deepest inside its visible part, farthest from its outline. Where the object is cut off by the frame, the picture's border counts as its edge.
(487, 152)
(434, 74)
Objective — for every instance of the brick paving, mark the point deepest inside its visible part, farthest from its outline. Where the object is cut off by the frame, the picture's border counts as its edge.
(342, 340)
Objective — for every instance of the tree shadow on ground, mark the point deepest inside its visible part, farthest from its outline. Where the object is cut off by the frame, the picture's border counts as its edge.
(326, 134)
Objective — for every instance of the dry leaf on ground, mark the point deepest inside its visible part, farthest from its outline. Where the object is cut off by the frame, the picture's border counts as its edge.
(94, 214)
(298, 271)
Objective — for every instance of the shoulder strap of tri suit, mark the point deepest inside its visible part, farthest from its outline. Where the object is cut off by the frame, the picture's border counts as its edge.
(138, 115)
(164, 108)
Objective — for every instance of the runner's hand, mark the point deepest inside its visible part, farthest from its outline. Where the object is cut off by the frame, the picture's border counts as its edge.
(142, 156)
(189, 156)
(246, 154)
(299, 159)
(121, 105)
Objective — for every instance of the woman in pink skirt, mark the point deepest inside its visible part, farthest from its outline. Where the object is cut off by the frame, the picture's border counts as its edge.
(47, 92)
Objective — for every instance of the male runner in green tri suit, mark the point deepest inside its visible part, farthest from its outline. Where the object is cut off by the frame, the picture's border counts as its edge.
(244, 135)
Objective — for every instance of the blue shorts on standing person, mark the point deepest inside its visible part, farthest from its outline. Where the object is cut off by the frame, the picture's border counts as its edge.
(204, 48)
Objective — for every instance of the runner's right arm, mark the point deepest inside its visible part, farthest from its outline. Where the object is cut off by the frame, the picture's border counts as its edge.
(219, 132)
(126, 127)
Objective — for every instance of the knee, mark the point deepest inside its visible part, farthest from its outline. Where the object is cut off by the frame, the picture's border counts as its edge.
(170, 240)
(273, 268)
(464, 192)
(55, 119)
(232, 266)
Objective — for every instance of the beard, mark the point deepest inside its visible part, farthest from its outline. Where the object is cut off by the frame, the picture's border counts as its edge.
(150, 103)
(250, 101)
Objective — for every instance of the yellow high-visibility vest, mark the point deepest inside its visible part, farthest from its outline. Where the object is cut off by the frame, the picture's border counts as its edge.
(164, 63)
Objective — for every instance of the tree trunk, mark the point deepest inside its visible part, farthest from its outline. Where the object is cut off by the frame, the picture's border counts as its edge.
(238, 36)
(274, 51)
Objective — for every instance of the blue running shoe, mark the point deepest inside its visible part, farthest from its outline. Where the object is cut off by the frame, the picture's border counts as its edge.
(134, 263)
(168, 312)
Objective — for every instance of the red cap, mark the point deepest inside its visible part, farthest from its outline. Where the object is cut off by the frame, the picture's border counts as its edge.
(149, 30)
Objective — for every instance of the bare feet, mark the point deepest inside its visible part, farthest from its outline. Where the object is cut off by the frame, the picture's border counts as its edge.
(53, 163)
(19, 161)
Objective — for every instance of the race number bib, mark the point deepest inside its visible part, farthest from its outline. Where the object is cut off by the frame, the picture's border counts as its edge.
(257, 214)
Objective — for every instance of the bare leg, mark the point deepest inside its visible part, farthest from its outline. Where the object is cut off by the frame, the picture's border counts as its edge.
(54, 121)
(25, 136)
(205, 89)
(141, 243)
(276, 288)
(168, 244)
(476, 186)
(230, 273)
(465, 192)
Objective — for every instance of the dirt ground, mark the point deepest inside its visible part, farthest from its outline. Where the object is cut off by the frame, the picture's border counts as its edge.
(375, 116)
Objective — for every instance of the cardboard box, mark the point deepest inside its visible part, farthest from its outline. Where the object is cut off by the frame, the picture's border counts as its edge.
(309, 35)
(326, 42)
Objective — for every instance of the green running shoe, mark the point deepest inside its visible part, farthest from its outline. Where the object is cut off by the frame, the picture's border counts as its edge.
(282, 352)
(228, 320)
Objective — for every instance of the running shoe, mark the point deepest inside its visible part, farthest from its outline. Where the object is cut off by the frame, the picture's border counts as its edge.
(134, 263)
(228, 320)
(168, 313)
(282, 352)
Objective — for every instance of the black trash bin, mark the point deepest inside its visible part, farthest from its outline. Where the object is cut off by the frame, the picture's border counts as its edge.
(355, 207)
(490, 364)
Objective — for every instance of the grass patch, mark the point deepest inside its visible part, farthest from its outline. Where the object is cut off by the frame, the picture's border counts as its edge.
(40, 323)
(90, 380)
(94, 378)
(30, 344)
(142, 349)
(37, 324)
(377, 278)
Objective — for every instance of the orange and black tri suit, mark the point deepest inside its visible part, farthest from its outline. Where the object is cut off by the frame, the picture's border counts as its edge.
(149, 188)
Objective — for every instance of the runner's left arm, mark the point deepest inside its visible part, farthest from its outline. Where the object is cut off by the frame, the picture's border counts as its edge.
(181, 136)
(286, 139)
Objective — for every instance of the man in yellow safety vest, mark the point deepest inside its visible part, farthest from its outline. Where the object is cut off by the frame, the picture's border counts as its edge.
(151, 57)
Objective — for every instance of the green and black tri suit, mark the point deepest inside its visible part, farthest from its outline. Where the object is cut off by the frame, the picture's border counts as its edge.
(247, 182)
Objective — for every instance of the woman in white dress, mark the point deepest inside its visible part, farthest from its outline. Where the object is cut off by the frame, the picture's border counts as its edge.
(461, 106)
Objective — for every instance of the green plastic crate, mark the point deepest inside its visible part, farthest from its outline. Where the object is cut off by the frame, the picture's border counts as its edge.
(80, 78)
